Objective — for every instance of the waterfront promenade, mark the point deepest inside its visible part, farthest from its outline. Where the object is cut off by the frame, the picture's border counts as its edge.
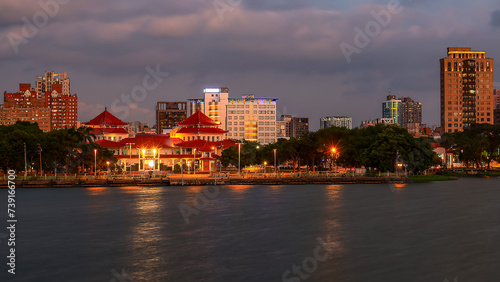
(203, 179)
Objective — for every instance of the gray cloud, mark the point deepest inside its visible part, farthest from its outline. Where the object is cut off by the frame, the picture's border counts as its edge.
(285, 49)
(495, 18)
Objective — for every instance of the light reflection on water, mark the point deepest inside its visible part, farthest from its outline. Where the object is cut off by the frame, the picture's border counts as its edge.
(419, 232)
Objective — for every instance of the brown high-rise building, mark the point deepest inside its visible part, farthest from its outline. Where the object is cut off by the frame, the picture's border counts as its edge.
(44, 83)
(466, 89)
(168, 114)
(411, 114)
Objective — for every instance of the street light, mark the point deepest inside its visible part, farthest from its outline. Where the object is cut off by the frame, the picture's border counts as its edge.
(275, 168)
(107, 163)
(129, 157)
(95, 162)
(239, 158)
(194, 161)
(154, 156)
(265, 163)
(210, 161)
(144, 161)
(333, 152)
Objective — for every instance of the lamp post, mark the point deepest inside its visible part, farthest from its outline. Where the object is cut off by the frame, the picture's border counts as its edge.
(154, 154)
(265, 163)
(275, 168)
(210, 161)
(40, 151)
(129, 157)
(143, 161)
(333, 152)
(239, 158)
(194, 161)
(107, 164)
(95, 163)
(25, 164)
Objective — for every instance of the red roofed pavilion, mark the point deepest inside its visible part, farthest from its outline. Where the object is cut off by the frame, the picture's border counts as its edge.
(198, 142)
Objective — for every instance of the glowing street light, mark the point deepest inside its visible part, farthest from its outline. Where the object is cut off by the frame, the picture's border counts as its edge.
(265, 163)
(334, 150)
(107, 163)
(95, 162)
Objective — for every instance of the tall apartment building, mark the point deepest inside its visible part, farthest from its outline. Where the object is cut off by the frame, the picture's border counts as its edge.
(391, 108)
(411, 115)
(212, 105)
(338, 121)
(466, 89)
(26, 105)
(496, 98)
(63, 107)
(44, 83)
(294, 126)
(168, 114)
(248, 117)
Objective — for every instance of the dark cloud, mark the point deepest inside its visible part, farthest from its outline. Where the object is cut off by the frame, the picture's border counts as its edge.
(284, 49)
(495, 18)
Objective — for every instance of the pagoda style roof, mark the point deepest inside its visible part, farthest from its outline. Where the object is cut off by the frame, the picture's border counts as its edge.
(202, 130)
(99, 130)
(198, 119)
(106, 119)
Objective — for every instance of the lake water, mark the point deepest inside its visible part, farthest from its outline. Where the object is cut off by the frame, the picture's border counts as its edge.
(419, 232)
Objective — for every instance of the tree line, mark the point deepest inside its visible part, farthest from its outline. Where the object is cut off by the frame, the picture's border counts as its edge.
(476, 147)
(378, 148)
(65, 150)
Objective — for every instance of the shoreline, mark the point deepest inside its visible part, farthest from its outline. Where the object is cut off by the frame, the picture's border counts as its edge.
(195, 181)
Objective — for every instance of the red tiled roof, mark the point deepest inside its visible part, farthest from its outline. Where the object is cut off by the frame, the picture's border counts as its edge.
(106, 118)
(435, 145)
(151, 141)
(198, 118)
(109, 144)
(99, 130)
(207, 147)
(202, 130)
(198, 143)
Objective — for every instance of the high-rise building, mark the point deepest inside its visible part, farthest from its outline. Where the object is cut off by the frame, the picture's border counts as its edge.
(338, 121)
(213, 104)
(44, 83)
(63, 107)
(294, 126)
(496, 95)
(466, 89)
(246, 118)
(26, 105)
(168, 114)
(392, 109)
(411, 115)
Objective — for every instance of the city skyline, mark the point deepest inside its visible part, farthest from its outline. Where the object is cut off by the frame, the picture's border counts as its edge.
(294, 53)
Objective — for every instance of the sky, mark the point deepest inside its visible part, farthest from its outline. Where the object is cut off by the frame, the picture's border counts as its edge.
(319, 58)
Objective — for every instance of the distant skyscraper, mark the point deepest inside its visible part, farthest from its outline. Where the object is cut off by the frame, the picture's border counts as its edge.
(246, 118)
(392, 109)
(44, 83)
(411, 115)
(496, 95)
(63, 107)
(295, 126)
(466, 89)
(168, 114)
(338, 121)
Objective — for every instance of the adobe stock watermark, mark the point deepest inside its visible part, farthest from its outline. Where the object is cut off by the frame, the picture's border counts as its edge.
(120, 277)
(200, 202)
(310, 264)
(139, 93)
(363, 38)
(39, 20)
(222, 7)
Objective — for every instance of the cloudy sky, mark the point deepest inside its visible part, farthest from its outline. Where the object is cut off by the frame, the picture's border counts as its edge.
(320, 58)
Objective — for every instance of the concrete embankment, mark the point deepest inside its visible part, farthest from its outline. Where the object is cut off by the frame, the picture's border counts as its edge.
(194, 181)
